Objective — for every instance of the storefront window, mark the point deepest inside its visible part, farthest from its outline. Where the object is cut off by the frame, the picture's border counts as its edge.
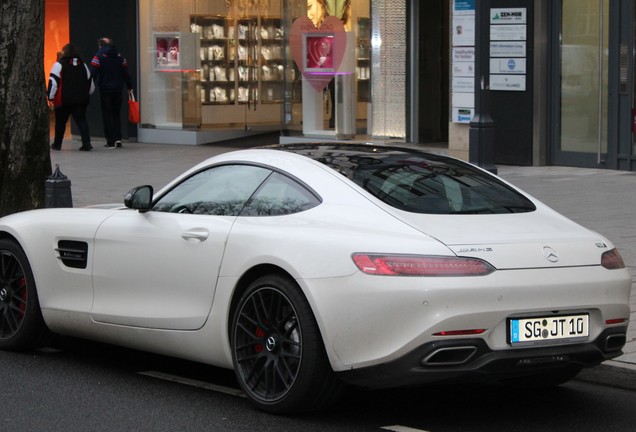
(354, 14)
(222, 65)
(584, 62)
(211, 65)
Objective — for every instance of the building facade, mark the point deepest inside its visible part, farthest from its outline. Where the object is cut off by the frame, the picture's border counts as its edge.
(560, 73)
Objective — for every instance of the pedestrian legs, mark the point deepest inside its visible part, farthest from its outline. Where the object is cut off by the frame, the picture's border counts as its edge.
(62, 114)
(79, 115)
(111, 111)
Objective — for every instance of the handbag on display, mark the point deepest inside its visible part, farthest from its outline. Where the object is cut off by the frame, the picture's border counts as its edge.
(133, 108)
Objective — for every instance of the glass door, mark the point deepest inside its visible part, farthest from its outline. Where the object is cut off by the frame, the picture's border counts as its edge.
(581, 139)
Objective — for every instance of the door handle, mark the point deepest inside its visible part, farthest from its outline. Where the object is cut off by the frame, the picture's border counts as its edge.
(196, 234)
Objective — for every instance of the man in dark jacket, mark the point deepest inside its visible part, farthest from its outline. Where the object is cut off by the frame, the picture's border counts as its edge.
(70, 86)
(110, 70)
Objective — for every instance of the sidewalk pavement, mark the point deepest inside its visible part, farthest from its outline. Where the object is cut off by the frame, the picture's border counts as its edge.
(601, 200)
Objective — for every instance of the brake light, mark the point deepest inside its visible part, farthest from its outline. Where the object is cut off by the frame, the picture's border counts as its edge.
(612, 260)
(615, 321)
(421, 265)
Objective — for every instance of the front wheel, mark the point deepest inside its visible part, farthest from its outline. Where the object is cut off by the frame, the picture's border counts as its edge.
(277, 351)
(21, 323)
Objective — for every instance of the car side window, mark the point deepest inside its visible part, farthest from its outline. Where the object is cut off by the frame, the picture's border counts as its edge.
(280, 195)
(221, 191)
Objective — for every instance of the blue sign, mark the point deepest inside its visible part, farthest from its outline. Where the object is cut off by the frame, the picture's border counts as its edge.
(464, 5)
(512, 64)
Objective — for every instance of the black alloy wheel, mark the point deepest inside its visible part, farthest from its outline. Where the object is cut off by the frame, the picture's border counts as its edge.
(21, 324)
(278, 354)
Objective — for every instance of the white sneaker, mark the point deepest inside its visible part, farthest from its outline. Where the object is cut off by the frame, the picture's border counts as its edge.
(117, 143)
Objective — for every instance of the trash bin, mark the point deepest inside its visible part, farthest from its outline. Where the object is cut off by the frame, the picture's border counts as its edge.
(345, 106)
(57, 190)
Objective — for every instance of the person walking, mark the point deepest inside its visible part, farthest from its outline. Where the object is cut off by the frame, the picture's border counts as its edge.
(69, 90)
(110, 69)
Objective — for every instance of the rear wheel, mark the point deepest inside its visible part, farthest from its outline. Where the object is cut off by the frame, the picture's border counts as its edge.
(278, 353)
(21, 323)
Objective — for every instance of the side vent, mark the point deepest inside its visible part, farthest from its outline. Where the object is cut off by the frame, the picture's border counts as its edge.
(73, 254)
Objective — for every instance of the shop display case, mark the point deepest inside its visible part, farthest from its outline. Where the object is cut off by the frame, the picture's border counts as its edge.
(363, 65)
(242, 59)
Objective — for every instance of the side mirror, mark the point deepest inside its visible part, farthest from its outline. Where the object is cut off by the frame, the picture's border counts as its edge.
(139, 198)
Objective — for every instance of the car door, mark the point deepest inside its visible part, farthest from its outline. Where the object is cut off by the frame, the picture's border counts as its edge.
(158, 269)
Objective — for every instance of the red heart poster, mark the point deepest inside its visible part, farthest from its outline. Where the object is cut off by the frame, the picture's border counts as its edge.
(324, 49)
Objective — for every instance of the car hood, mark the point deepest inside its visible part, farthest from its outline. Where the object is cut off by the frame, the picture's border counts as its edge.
(538, 239)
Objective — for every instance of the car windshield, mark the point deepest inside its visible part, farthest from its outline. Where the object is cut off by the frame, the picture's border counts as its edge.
(418, 182)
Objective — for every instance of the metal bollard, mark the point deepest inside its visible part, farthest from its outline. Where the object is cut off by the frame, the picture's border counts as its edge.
(57, 190)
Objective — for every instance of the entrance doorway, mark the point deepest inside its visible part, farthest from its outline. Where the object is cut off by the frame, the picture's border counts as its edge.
(583, 62)
(429, 92)
(596, 93)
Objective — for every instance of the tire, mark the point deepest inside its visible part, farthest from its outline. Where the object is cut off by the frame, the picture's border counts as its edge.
(277, 350)
(21, 323)
(545, 379)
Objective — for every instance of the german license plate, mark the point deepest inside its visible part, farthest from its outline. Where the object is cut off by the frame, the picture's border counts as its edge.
(539, 330)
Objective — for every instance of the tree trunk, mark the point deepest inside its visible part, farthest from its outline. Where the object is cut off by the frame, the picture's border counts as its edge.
(25, 161)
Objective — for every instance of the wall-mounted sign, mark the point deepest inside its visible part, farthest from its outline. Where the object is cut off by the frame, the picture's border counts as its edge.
(507, 49)
(508, 82)
(464, 54)
(463, 84)
(464, 30)
(463, 62)
(463, 115)
(508, 32)
(508, 65)
(463, 69)
(508, 16)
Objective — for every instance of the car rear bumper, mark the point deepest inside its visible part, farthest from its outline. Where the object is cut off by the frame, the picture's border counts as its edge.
(472, 360)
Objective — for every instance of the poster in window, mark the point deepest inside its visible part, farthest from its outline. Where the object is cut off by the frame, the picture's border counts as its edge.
(167, 55)
(318, 52)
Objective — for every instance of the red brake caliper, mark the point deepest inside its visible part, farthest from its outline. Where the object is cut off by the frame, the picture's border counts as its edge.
(261, 334)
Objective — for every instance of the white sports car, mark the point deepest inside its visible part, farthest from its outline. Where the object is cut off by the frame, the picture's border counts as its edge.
(308, 267)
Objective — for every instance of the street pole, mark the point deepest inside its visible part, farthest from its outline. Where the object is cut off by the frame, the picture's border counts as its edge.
(482, 127)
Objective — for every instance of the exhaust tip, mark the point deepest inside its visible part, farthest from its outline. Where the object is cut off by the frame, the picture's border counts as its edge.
(452, 356)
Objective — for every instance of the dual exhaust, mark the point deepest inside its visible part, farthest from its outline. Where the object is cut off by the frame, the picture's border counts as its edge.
(459, 355)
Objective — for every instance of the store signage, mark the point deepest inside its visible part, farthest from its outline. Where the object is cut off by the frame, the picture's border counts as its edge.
(508, 65)
(508, 32)
(508, 16)
(464, 30)
(507, 49)
(464, 6)
(463, 115)
(464, 54)
(463, 84)
(463, 69)
(508, 82)
(463, 62)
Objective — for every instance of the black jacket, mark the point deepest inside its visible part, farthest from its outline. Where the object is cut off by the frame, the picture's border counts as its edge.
(110, 70)
(70, 82)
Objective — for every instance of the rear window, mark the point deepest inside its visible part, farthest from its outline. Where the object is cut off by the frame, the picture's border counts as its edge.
(418, 182)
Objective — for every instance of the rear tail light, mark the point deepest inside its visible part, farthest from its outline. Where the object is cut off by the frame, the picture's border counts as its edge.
(616, 321)
(469, 332)
(612, 260)
(418, 265)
